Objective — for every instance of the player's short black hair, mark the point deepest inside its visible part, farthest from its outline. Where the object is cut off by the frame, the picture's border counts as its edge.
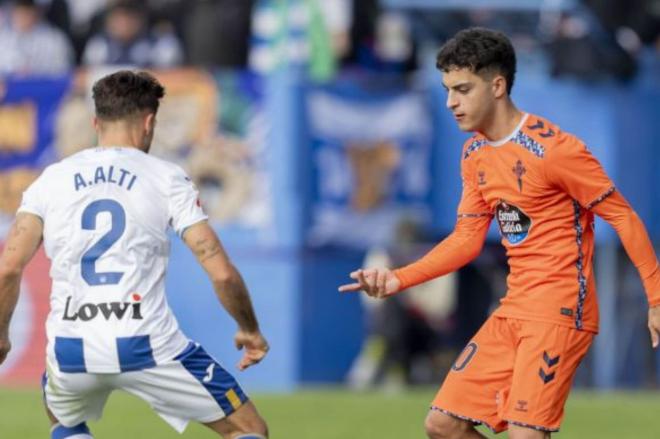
(125, 93)
(482, 51)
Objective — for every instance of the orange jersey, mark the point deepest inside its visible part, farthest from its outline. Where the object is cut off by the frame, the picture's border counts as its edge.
(540, 184)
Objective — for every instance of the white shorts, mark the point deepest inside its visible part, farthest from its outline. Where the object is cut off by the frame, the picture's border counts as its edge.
(191, 387)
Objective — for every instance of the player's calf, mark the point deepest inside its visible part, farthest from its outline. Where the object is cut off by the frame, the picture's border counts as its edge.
(244, 423)
(80, 431)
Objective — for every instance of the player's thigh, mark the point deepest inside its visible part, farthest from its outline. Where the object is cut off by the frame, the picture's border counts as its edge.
(547, 360)
(244, 420)
(480, 376)
(72, 398)
(192, 387)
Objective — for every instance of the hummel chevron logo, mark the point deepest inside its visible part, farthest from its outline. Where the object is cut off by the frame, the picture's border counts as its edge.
(546, 377)
(550, 361)
(537, 126)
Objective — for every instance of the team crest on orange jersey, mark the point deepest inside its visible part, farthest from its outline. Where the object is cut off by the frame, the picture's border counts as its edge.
(482, 178)
(519, 170)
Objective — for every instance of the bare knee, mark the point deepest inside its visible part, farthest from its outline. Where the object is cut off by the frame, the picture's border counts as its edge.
(440, 425)
(518, 432)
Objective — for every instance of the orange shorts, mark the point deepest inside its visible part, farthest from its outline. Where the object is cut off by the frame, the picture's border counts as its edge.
(514, 371)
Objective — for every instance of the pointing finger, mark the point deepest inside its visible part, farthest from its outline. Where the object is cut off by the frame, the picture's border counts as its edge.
(655, 338)
(350, 288)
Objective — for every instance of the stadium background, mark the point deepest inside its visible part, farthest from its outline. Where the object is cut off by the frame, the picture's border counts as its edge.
(315, 129)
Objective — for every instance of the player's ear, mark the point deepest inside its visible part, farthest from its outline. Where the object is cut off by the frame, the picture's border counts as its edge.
(96, 123)
(150, 122)
(499, 86)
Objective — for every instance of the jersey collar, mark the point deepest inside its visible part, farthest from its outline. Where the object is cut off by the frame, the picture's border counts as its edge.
(511, 135)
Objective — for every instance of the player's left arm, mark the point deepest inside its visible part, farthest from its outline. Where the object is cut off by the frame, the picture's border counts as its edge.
(21, 245)
(230, 289)
(190, 222)
(572, 167)
(619, 214)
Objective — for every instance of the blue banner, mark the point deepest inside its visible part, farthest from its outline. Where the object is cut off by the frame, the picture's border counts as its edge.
(371, 165)
(27, 114)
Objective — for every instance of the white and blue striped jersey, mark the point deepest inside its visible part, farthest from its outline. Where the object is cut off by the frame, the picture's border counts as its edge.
(106, 212)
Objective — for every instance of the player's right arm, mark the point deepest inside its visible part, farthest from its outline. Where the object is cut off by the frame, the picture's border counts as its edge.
(230, 289)
(21, 245)
(459, 248)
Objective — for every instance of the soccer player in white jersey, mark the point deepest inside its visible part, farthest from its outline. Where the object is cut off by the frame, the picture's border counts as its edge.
(103, 215)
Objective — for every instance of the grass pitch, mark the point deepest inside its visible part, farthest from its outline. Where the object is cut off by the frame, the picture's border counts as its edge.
(338, 414)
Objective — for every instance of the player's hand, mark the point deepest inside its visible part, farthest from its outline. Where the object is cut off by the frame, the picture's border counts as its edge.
(376, 282)
(5, 347)
(255, 346)
(654, 325)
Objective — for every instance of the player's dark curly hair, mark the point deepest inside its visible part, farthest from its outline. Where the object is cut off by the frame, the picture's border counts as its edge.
(482, 51)
(125, 93)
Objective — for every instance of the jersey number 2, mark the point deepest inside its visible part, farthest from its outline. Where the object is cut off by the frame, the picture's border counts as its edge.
(89, 258)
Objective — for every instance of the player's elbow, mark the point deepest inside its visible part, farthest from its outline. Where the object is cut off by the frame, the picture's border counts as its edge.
(474, 249)
(225, 278)
(10, 271)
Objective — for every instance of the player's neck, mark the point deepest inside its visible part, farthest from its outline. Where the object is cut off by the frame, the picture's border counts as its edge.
(503, 122)
(124, 136)
(116, 141)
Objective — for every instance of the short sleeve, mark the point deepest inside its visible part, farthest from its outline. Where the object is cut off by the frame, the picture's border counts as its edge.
(573, 168)
(185, 207)
(472, 203)
(33, 200)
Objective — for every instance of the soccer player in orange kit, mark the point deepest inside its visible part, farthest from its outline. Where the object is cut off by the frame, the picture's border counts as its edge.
(543, 187)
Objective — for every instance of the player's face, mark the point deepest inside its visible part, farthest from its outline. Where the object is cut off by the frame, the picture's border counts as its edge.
(470, 98)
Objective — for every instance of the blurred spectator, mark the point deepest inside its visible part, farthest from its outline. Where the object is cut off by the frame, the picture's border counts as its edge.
(81, 13)
(291, 34)
(29, 45)
(338, 18)
(582, 48)
(216, 32)
(56, 12)
(633, 22)
(127, 40)
(381, 40)
(173, 12)
(393, 45)
(405, 332)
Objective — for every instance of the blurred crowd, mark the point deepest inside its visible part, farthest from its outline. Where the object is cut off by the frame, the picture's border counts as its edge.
(54, 36)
